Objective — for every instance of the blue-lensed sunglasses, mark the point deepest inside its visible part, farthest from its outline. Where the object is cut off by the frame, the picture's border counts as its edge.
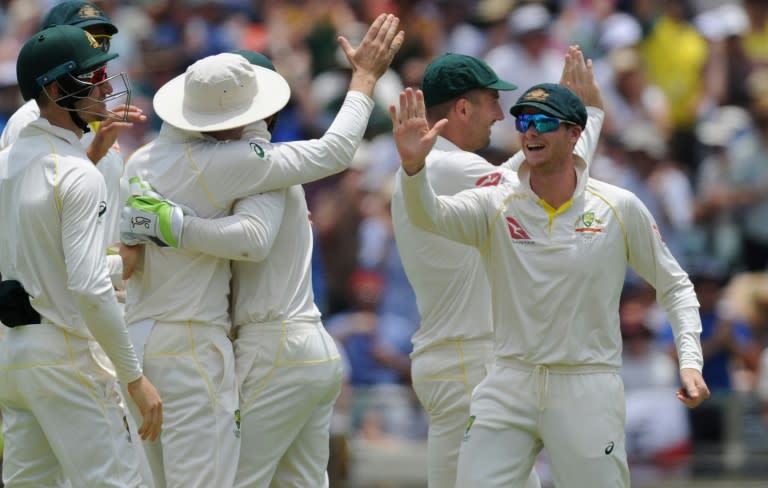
(541, 122)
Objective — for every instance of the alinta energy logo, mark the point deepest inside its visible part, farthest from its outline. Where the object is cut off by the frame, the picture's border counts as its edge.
(517, 232)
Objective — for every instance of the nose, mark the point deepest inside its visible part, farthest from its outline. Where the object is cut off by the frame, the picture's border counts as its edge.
(106, 87)
(499, 112)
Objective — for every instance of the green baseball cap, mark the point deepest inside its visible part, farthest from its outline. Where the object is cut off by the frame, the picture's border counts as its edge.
(78, 13)
(255, 58)
(553, 100)
(452, 75)
(54, 52)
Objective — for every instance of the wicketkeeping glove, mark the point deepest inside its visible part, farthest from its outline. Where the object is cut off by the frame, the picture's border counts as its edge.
(148, 219)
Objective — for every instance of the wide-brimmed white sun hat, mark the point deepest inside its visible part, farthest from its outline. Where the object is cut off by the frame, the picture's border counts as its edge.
(221, 92)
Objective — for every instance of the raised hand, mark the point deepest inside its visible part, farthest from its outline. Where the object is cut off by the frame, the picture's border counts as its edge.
(370, 60)
(578, 75)
(413, 136)
(106, 135)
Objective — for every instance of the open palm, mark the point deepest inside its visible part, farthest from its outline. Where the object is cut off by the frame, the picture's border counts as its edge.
(413, 136)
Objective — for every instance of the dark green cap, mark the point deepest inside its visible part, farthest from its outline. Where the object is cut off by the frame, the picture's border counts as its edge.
(78, 13)
(54, 52)
(452, 75)
(255, 58)
(553, 100)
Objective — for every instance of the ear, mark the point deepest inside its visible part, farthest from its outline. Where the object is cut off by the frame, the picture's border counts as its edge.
(575, 132)
(462, 107)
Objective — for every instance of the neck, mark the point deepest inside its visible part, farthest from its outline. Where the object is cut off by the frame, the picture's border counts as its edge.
(59, 117)
(554, 187)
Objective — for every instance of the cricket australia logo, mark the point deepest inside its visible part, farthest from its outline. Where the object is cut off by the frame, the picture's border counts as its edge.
(237, 423)
(588, 225)
(538, 95)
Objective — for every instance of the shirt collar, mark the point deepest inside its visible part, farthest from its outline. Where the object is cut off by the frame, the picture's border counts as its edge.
(66, 135)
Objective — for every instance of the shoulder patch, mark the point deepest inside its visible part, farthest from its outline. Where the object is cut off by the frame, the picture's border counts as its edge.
(257, 149)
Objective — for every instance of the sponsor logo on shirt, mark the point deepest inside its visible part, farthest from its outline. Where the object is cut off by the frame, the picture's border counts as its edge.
(492, 179)
(517, 232)
(102, 207)
(609, 448)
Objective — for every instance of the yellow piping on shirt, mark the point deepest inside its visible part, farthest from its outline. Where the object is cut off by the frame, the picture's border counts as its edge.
(553, 212)
(196, 169)
(56, 191)
(618, 219)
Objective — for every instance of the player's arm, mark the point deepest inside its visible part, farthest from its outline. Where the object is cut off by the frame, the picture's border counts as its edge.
(651, 259)
(246, 235)
(460, 217)
(252, 166)
(81, 195)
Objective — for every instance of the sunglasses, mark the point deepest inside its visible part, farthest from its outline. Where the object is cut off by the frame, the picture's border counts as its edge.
(94, 77)
(104, 41)
(542, 123)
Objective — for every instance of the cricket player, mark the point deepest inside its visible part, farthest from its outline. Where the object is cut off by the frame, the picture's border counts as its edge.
(453, 346)
(214, 149)
(555, 245)
(61, 408)
(100, 137)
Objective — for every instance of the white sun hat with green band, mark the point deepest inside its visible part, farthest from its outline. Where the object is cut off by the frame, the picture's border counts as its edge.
(221, 92)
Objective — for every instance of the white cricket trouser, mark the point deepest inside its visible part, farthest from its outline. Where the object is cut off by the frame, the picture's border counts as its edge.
(289, 377)
(576, 413)
(444, 377)
(62, 416)
(192, 367)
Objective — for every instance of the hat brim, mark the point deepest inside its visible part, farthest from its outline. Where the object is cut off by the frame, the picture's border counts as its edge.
(502, 85)
(517, 109)
(111, 28)
(272, 96)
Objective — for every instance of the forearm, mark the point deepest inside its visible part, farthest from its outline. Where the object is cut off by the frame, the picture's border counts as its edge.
(587, 143)
(686, 325)
(226, 238)
(104, 319)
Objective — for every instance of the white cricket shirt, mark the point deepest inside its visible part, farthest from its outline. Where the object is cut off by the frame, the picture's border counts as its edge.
(556, 275)
(110, 166)
(448, 277)
(208, 175)
(52, 212)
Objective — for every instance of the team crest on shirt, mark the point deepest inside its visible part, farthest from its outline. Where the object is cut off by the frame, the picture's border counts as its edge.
(257, 149)
(588, 225)
(237, 423)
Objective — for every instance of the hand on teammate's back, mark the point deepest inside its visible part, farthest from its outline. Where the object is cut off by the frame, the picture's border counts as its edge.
(370, 60)
(150, 405)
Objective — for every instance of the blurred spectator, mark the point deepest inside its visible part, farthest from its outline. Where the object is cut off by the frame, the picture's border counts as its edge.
(378, 252)
(630, 98)
(377, 348)
(716, 233)
(675, 55)
(659, 183)
(726, 344)
(530, 56)
(658, 437)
